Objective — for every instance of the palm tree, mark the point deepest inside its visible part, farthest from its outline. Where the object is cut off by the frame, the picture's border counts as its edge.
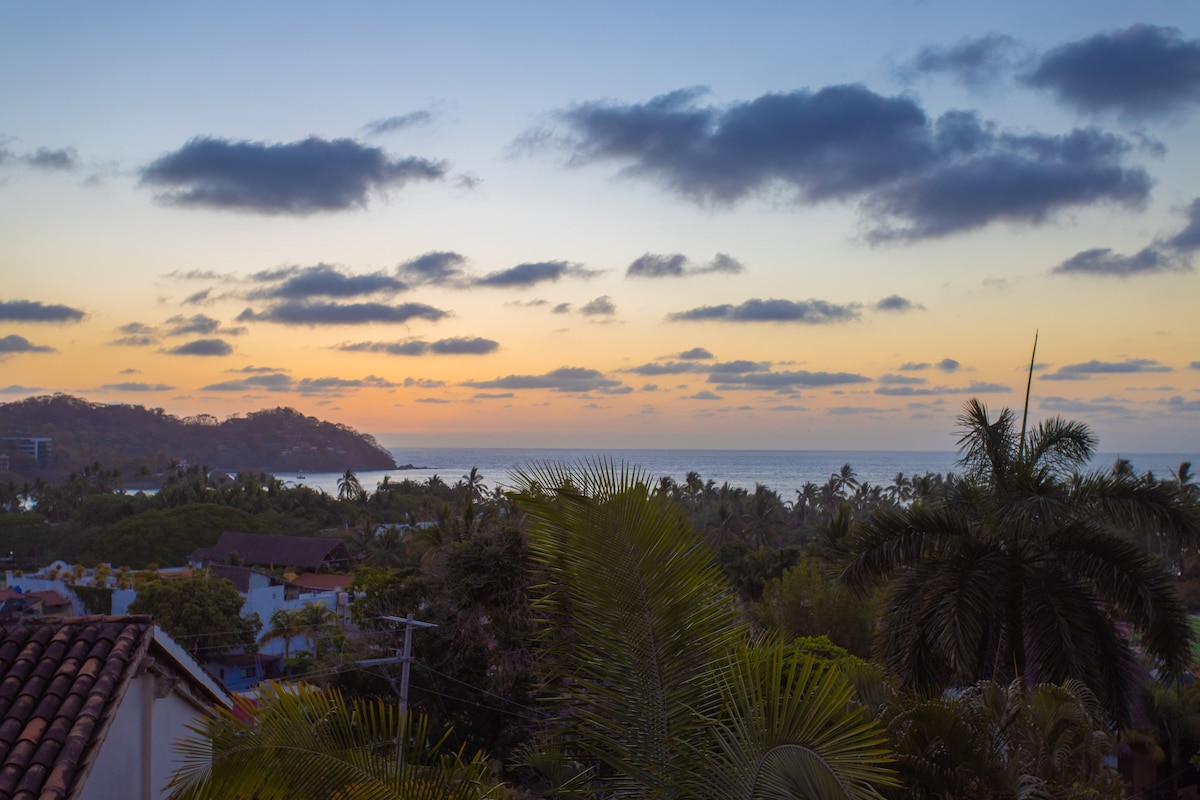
(995, 742)
(348, 486)
(286, 624)
(654, 680)
(1018, 572)
(300, 742)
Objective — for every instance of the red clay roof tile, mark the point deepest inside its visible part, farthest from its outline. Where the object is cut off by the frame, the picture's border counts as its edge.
(61, 681)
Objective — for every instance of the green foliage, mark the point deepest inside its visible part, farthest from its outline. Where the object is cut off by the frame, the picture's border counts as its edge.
(169, 536)
(1021, 569)
(806, 602)
(651, 677)
(95, 599)
(299, 743)
(203, 614)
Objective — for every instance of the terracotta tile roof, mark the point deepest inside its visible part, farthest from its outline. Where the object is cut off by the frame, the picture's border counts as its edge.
(322, 582)
(259, 550)
(61, 683)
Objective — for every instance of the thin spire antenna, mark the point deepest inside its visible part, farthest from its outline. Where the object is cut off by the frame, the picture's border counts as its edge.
(1028, 389)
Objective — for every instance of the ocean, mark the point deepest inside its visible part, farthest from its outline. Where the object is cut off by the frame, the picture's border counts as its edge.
(785, 471)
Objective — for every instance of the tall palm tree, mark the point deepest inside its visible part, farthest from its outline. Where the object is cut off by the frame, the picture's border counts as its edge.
(286, 624)
(1019, 572)
(654, 680)
(348, 486)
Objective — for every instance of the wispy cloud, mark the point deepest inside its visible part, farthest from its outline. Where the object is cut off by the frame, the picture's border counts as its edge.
(678, 265)
(529, 274)
(475, 346)
(976, 63)
(1164, 255)
(1085, 370)
(278, 382)
(413, 119)
(314, 313)
(815, 312)
(322, 280)
(564, 379)
(137, 387)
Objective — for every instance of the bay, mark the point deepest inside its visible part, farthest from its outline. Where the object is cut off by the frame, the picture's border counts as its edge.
(784, 471)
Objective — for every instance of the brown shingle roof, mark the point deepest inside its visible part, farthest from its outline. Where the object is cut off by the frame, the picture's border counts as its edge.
(61, 684)
(260, 550)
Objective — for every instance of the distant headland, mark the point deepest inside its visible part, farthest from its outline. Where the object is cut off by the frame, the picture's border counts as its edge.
(54, 435)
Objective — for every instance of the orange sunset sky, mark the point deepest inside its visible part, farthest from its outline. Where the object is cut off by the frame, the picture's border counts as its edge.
(793, 226)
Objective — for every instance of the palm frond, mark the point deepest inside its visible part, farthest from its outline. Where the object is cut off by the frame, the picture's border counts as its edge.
(790, 728)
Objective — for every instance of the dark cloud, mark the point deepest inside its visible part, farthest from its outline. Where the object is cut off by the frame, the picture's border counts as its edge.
(322, 280)
(915, 366)
(202, 347)
(273, 382)
(900, 380)
(137, 340)
(19, 344)
(600, 307)
(666, 368)
(434, 267)
(1082, 371)
(561, 308)
(1188, 240)
(525, 275)
(137, 387)
(423, 383)
(976, 63)
(906, 390)
(302, 177)
(815, 312)
(198, 298)
(1140, 72)
(564, 379)
(493, 396)
(454, 346)
(1102, 261)
(948, 365)
(136, 328)
(1173, 254)
(433, 400)
(913, 178)
(897, 303)
(130, 371)
(197, 324)
(253, 370)
(397, 123)
(17, 388)
(677, 265)
(1194, 365)
(799, 379)
(33, 311)
(64, 160)
(696, 354)
(302, 313)
(703, 395)
(1179, 403)
(1012, 178)
(739, 367)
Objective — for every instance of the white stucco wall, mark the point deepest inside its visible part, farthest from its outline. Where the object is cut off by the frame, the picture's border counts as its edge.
(133, 741)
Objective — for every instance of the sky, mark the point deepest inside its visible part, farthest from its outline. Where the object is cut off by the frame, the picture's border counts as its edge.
(775, 225)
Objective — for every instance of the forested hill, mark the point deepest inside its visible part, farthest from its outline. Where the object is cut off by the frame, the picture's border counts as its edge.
(138, 440)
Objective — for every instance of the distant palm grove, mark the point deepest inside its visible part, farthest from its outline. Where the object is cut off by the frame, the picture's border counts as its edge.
(1020, 628)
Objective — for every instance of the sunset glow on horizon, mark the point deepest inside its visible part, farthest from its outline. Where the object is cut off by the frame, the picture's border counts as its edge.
(612, 226)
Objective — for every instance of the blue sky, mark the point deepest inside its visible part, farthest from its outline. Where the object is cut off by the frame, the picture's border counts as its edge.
(659, 224)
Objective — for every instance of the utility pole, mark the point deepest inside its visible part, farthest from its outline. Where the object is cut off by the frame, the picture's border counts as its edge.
(405, 659)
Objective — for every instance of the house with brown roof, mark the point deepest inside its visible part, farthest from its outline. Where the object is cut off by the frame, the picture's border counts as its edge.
(260, 550)
(90, 707)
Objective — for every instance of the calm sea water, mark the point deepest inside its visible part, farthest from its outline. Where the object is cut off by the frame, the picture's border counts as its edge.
(785, 471)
